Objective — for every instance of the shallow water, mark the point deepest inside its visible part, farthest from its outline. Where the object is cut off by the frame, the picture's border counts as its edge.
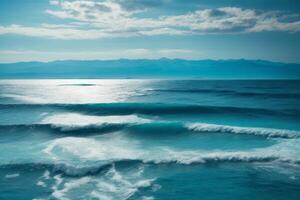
(149, 139)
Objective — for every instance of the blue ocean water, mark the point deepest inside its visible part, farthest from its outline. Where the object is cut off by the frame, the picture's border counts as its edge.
(149, 139)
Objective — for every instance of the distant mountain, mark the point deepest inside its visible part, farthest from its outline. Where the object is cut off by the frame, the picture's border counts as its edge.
(160, 68)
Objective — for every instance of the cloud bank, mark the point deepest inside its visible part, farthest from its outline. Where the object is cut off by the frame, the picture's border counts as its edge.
(91, 19)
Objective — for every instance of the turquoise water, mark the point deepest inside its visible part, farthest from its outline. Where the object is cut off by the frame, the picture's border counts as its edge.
(149, 139)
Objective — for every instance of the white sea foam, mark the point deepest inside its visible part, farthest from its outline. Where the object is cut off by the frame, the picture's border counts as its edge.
(8, 176)
(61, 194)
(190, 157)
(115, 148)
(73, 121)
(115, 184)
(41, 183)
(112, 147)
(286, 150)
(123, 186)
(58, 180)
(111, 185)
(100, 196)
(46, 175)
(268, 132)
(147, 198)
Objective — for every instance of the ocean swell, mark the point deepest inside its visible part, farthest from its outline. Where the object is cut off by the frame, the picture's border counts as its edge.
(114, 149)
(267, 132)
(170, 157)
(154, 109)
(142, 126)
(149, 128)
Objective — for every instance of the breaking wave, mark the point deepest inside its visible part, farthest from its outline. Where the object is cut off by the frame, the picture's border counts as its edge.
(267, 132)
(142, 126)
(170, 157)
(81, 156)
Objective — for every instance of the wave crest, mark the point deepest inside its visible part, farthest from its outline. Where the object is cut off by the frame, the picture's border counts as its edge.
(267, 132)
(135, 124)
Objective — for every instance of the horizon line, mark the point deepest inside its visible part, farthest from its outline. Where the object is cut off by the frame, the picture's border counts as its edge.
(152, 59)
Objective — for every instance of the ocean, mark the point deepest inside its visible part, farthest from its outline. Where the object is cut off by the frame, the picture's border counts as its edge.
(149, 139)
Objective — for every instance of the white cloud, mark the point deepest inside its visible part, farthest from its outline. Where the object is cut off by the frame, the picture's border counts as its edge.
(55, 26)
(57, 33)
(54, 2)
(274, 25)
(92, 19)
(8, 56)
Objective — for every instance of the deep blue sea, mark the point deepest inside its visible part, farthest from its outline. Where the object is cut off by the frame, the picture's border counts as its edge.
(149, 139)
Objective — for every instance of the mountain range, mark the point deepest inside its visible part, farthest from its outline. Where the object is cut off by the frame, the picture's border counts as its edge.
(147, 68)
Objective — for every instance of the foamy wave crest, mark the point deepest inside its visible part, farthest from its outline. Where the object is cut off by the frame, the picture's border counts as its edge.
(78, 157)
(108, 149)
(267, 132)
(112, 184)
(74, 121)
(178, 157)
(116, 148)
(285, 151)
(194, 157)
(282, 152)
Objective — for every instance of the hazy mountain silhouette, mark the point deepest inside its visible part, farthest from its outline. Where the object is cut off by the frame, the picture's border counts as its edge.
(145, 68)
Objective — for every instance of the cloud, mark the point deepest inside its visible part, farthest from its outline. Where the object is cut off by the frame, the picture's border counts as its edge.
(8, 56)
(54, 2)
(141, 4)
(50, 32)
(55, 26)
(91, 19)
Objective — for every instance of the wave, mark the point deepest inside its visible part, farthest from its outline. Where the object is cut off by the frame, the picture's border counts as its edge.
(267, 132)
(62, 180)
(181, 158)
(71, 170)
(77, 156)
(74, 121)
(77, 124)
(113, 184)
(152, 128)
(62, 168)
(111, 150)
(63, 130)
(231, 92)
(154, 109)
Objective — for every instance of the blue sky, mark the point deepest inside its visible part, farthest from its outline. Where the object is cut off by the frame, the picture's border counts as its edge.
(46, 30)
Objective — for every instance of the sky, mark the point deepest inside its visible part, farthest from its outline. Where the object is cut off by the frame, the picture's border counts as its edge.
(47, 30)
